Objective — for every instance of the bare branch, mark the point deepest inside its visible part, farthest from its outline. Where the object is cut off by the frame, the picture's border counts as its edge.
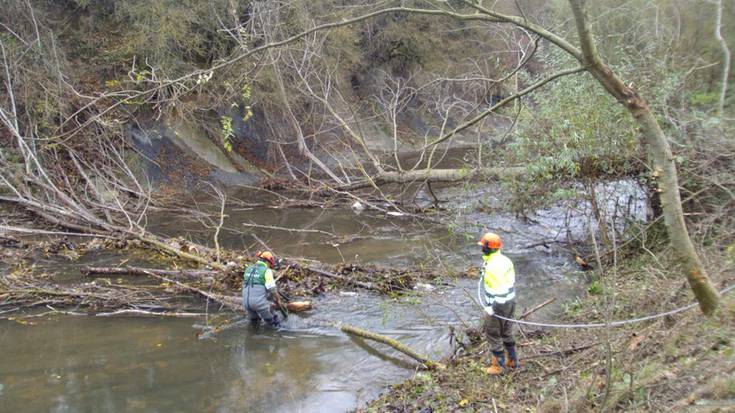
(725, 59)
(503, 103)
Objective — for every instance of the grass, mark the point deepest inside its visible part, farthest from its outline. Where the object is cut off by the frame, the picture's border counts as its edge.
(673, 363)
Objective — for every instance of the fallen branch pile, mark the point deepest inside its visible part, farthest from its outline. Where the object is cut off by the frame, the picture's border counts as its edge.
(26, 291)
(181, 291)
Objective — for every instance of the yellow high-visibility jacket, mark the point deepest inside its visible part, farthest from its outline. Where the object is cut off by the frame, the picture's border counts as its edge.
(499, 277)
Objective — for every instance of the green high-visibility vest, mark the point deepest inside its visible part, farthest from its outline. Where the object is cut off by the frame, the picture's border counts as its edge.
(259, 274)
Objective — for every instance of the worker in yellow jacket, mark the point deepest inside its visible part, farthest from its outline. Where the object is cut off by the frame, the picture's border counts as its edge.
(498, 297)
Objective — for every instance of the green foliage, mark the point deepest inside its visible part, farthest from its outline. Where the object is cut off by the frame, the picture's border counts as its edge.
(575, 130)
(171, 37)
(702, 98)
(595, 288)
(577, 127)
(82, 3)
(227, 132)
(573, 308)
(162, 31)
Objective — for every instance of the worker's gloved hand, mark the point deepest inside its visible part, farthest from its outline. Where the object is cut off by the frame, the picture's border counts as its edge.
(489, 310)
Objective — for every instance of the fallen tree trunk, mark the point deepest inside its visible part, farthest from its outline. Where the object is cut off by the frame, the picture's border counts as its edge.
(159, 244)
(87, 271)
(436, 175)
(424, 360)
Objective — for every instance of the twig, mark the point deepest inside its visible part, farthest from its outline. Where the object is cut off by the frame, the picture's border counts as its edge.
(233, 303)
(152, 313)
(563, 352)
(313, 231)
(538, 307)
(362, 284)
(44, 232)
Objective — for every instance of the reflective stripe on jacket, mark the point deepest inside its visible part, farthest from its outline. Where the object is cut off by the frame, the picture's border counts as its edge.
(259, 274)
(499, 277)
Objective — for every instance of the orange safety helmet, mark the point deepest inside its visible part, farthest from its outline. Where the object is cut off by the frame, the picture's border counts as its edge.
(268, 257)
(490, 241)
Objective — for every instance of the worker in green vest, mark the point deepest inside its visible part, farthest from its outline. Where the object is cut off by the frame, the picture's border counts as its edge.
(259, 290)
(498, 298)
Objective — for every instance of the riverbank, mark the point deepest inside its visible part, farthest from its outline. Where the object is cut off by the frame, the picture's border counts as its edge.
(679, 362)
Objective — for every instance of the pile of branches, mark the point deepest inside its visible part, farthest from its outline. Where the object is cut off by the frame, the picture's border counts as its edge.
(25, 291)
(151, 291)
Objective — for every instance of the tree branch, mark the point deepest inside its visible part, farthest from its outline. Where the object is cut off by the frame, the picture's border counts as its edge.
(503, 103)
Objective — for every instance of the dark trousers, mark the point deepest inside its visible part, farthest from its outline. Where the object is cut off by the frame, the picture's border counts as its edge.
(499, 332)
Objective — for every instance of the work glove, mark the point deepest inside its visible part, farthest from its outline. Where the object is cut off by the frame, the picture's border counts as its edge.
(489, 310)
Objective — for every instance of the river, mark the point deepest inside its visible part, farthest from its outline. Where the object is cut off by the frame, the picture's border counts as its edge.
(130, 364)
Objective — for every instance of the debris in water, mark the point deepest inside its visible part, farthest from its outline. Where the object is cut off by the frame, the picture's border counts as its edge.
(299, 306)
(357, 207)
(582, 263)
(425, 287)
(348, 293)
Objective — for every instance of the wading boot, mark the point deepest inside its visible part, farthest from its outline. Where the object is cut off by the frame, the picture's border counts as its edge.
(496, 364)
(512, 362)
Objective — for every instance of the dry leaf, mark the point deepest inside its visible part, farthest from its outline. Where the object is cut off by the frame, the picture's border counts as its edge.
(635, 341)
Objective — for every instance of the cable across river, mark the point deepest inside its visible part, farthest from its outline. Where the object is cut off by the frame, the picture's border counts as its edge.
(616, 323)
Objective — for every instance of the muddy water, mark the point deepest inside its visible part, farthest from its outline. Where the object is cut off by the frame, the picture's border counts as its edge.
(85, 364)
(326, 235)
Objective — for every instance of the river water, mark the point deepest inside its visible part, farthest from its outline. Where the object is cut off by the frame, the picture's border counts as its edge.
(127, 364)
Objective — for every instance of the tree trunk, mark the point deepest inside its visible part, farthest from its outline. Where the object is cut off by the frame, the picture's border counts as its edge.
(393, 343)
(194, 274)
(664, 167)
(438, 175)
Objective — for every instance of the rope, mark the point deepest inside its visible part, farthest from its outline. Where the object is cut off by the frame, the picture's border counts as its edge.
(595, 325)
